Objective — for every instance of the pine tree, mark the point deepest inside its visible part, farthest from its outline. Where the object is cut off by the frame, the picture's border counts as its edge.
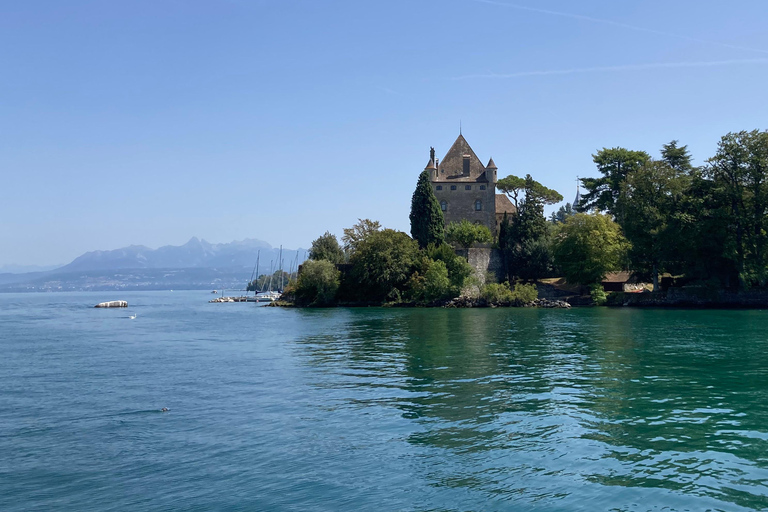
(427, 224)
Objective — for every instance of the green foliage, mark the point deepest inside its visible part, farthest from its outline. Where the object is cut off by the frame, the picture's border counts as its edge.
(466, 234)
(739, 173)
(317, 284)
(271, 282)
(563, 213)
(524, 241)
(650, 197)
(427, 223)
(381, 265)
(458, 268)
(598, 294)
(430, 285)
(518, 188)
(614, 164)
(501, 293)
(587, 247)
(327, 248)
(358, 233)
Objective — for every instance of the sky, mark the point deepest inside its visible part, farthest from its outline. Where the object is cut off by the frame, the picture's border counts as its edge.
(151, 121)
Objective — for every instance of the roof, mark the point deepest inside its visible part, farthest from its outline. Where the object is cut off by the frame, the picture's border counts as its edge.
(504, 205)
(452, 164)
(617, 277)
(491, 164)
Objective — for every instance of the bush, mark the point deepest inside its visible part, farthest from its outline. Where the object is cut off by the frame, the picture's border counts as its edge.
(433, 284)
(494, 293)
(317, 284)
(458, 268)
(598, 294)
(525, 293)
(381, 266)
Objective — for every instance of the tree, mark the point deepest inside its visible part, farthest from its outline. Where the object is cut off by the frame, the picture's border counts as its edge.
(356, 234)
(327, 247)
(466, 234)
(519, 188)
(431, 284)
(739, 171)
(651, 197)
(524, 240)
(563, 213)
(381, 265)
(427, 223)
(458, 268)
(317, 284)
(587, 247)
(615, 165)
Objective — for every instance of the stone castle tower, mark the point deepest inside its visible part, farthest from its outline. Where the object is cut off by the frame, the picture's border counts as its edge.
(466, 189)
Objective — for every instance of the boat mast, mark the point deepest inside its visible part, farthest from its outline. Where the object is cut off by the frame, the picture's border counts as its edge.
(255, 268)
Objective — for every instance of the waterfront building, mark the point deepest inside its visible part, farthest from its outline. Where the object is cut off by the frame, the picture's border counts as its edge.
(466, 189)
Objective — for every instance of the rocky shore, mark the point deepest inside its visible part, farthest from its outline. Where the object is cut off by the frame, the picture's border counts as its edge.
(473, 302)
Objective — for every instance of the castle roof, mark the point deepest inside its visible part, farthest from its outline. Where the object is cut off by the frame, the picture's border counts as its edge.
(452, 165)
(504, 205)
(431, 164)
(491, 165)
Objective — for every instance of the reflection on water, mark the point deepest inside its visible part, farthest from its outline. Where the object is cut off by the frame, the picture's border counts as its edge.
(592, 409)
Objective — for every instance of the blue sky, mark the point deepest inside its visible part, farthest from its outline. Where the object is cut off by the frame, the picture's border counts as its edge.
(149, 122)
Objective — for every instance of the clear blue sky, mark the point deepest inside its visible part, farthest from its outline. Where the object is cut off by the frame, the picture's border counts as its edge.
(150, 121)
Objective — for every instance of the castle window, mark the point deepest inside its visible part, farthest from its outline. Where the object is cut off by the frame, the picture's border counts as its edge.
(467, 187)
(453, 187)
(478, 205)
(482, 187)
(439, 187)
(443, 205)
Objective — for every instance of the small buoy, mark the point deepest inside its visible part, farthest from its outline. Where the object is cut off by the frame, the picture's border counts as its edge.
(164, 409)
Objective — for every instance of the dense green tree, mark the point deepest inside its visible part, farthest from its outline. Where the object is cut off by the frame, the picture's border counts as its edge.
(427, 223)
(588, 246)
(524, 240)
(563, 213)
(358, 233)
(523, 189)
(651, 199)
(326, 247)
(317, 284)
(467, 234)
(739, 172)
(458, 268)
(677, 157)
(430, 283)
(615, 165)
(381, 265)
(274, 281)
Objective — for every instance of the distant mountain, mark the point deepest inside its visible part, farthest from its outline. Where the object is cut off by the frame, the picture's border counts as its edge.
(194, 265)
(23, 269)
(194, 254)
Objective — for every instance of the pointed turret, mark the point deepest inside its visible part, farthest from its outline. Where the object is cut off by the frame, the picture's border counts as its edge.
(490, 171)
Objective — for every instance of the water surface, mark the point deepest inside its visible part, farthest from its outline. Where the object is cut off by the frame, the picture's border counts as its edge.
(378, 409)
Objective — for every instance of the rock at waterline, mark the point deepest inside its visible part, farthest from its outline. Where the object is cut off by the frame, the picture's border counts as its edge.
(112, 304)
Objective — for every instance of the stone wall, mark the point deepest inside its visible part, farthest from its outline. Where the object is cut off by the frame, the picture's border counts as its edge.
(484, 260)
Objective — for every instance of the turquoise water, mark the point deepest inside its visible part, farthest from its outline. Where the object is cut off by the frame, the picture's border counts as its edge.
(377, 409)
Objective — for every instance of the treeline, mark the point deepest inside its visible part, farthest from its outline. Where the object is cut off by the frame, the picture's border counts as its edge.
(373, 265)
(706, 224)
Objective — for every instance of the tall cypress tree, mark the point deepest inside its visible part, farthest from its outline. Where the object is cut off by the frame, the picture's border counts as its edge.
(427, 224)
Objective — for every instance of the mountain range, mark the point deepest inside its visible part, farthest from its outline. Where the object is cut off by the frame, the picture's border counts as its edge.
(197, 265)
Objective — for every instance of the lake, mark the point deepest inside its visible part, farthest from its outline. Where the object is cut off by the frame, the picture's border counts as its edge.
(377, 409)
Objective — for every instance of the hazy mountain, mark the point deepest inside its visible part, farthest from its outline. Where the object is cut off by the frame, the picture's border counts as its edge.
(194, 265)
(194, 254)
(23, 269)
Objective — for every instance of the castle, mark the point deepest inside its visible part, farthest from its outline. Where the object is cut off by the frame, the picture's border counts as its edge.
(466, 189)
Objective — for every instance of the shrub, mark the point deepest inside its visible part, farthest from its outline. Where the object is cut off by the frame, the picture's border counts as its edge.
(598, 294)
(494, 293)
(432, 285)
(458, 268)
(317, 284)
(525, 293)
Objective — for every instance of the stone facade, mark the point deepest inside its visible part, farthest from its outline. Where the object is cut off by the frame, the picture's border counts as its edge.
(466, 189)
